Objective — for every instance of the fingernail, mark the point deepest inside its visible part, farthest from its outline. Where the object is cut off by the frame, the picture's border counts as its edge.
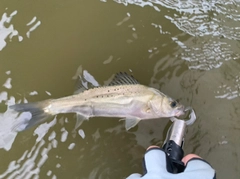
(153, 146)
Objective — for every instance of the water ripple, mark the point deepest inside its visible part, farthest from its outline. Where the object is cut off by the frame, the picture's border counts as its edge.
(213, 27)
(199, 18)
(7, 31)
(10, 31)
(29, 164)
(7, 136)
(229, 89)
(206, 53)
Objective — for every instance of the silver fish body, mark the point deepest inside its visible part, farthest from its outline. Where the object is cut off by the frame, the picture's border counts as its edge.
(124, 98)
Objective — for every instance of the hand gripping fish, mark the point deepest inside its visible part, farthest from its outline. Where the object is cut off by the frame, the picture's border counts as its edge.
(123, 98)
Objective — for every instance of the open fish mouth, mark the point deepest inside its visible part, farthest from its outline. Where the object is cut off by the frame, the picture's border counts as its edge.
(179, 113)
(192, 117)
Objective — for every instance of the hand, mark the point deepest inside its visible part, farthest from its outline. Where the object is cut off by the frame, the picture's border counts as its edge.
(156, 162)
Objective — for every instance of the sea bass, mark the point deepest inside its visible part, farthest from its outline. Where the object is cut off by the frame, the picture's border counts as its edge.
(123, 98)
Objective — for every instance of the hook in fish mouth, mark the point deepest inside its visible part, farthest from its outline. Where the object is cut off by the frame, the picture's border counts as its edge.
(188, 108)
(192, 116)
(181, 111)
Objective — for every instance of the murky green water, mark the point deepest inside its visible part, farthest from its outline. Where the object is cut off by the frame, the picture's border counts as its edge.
(189, 50)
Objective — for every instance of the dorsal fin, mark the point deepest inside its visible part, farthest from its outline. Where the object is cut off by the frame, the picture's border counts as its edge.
(122, 78)
(80, 86)
(86, 82)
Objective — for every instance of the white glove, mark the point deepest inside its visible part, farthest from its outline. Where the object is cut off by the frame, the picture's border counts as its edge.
(156, 168)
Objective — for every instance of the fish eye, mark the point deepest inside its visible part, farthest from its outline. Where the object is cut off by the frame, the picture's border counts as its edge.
(173, 104)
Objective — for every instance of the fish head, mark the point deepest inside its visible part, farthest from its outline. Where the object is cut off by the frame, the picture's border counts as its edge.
(173, 107)
(165, 106)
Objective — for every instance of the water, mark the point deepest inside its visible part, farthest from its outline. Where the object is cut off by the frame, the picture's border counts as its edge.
(189, 50)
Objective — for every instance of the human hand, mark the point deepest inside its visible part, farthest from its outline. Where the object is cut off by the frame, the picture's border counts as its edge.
(155, 162)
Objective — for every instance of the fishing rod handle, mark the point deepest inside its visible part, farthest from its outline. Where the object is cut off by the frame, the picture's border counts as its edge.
(173, 147)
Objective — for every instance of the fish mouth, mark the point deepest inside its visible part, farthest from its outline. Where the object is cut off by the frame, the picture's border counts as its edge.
(181, 111)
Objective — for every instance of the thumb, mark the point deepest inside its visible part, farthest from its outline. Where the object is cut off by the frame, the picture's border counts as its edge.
(189, 157)
(198, 166)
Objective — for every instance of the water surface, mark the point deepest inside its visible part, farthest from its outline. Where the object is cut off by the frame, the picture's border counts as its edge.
(189, 50)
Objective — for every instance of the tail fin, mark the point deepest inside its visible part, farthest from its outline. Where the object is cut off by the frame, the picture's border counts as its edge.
(37, 112)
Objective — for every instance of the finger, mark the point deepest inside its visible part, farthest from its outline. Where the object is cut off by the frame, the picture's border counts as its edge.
(152, 146)
(155, 159)
(198, 168)
(134, 176)
(189, 157)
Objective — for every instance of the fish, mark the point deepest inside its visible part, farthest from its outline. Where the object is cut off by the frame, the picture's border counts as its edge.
(124, 97)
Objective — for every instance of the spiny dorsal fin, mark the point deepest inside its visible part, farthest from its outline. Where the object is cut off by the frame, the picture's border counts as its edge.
(80, 86)
(122, 78)
(86, 82)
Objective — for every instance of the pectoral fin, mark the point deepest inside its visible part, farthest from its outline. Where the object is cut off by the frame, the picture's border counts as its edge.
(80, 119)
(130, 123)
